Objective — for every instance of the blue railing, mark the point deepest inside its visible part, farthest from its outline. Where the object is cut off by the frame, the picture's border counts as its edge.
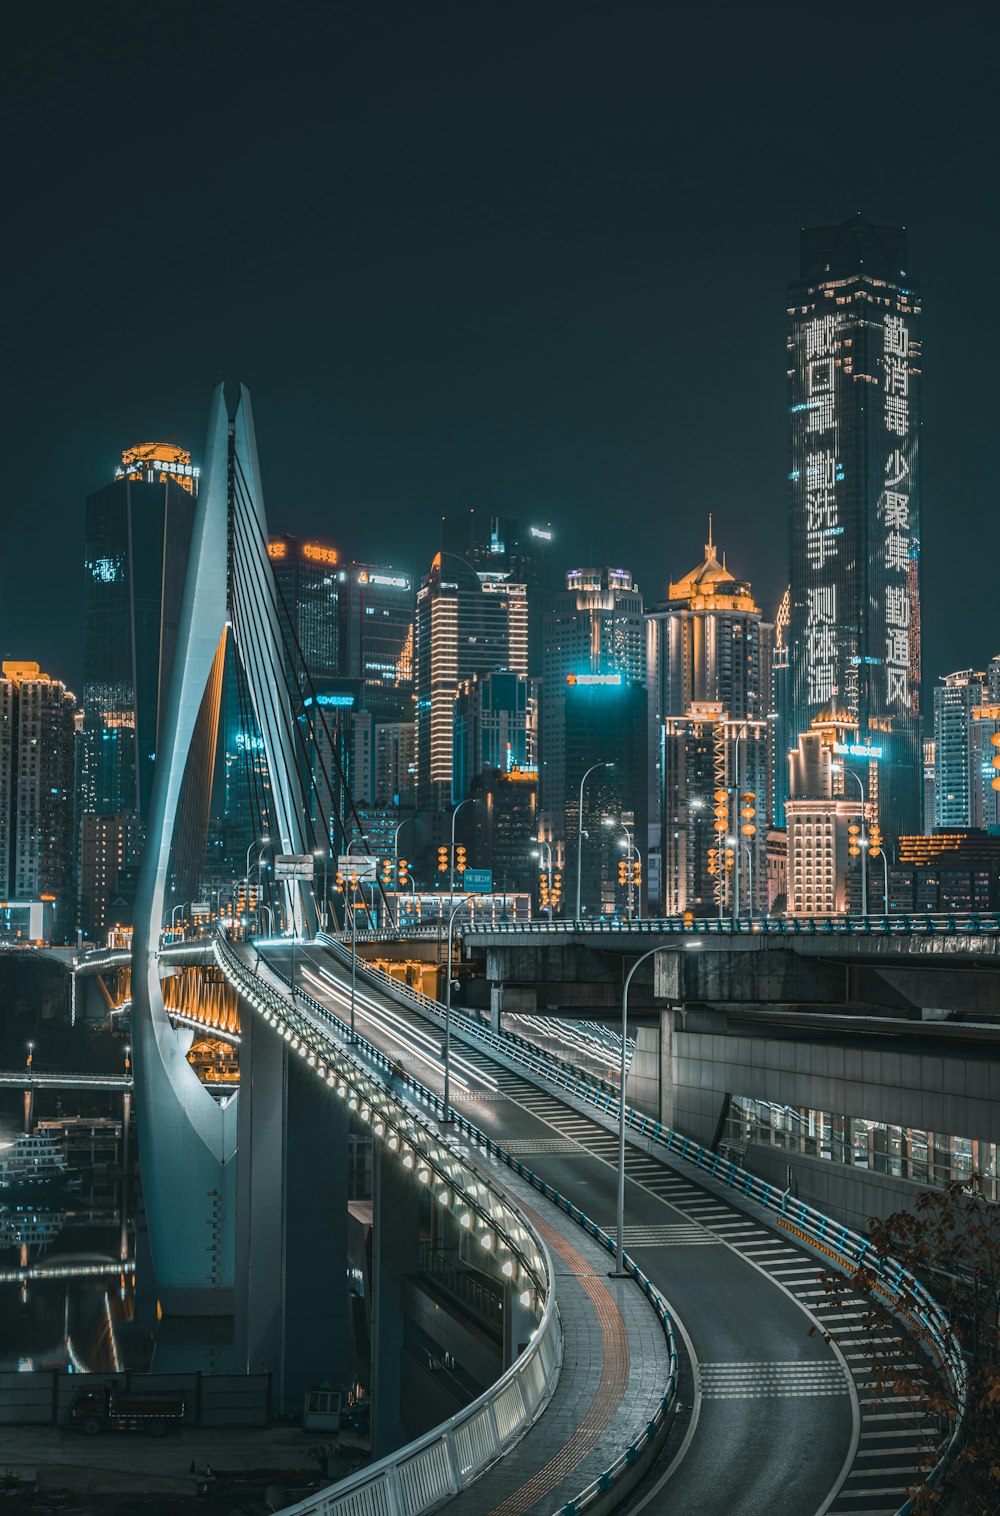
(902, 1294)
(904, 925)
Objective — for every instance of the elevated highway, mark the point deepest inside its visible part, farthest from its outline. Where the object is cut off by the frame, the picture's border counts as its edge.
(782, 1418)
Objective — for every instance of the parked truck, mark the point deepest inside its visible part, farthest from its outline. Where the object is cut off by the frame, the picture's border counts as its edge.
(112, 1409)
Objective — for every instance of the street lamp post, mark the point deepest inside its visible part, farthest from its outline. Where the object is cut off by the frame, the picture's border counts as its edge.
(451, 860)
(736, 822)
(447, 1012)
(632, 853)
(864, 841)
(579, 833)
(354, 938)
(749, 853)
(620, 1214)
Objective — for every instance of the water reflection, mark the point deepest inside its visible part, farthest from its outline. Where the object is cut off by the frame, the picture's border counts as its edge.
(67, 1254)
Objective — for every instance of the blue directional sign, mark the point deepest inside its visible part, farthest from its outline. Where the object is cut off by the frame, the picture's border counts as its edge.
(479, 881)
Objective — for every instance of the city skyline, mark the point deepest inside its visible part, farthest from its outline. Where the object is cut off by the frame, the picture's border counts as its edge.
(578, 247)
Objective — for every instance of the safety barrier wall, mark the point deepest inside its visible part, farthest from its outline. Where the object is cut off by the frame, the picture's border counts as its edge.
(901, 1293)
(618, 1477)
(426, 1472)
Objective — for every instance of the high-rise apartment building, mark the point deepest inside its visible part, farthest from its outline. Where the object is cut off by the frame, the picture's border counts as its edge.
(854, 378)
(109, 853)
(780, 715)
(468, 623)
(595, 634)
(137, 533)
(955, 699)
(37, 791)
(518, 551)
(605, 733)
(930, 784)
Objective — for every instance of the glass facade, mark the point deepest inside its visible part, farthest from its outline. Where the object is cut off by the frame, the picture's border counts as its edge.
(137, 535)
(376, 637)
(308, 583)
(927, 1158)
(854, 375)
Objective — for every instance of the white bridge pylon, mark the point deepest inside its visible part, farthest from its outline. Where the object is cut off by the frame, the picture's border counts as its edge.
(188, 1140)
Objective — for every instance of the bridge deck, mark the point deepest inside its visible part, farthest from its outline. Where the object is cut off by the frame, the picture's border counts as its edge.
(615, 1368)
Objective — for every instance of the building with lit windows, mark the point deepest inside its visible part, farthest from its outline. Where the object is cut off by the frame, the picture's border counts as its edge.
(605, 732)
(377, 607)
(468, 624)
(833, 786)
(308, 587)
(137, 533)
(704, 753)
(503, 826)
(496, 727)
(37, 792)
(595, 633)
(854, 380)
(109, 855)
(517, 550)
(955, 699)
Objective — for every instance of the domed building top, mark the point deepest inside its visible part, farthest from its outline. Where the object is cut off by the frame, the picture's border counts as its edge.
(711, 584)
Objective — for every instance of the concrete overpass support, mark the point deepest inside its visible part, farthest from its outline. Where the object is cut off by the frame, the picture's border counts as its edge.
(396, 1254)
(291, 1285)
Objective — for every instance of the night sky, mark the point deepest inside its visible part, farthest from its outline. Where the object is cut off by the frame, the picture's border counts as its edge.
(525, 257)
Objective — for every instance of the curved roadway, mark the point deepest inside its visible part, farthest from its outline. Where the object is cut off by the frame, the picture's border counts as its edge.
(774, 1414)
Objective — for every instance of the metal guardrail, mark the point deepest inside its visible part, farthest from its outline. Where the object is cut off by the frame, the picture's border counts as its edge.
(635, 1456)
(902, 1294)
(896, 924)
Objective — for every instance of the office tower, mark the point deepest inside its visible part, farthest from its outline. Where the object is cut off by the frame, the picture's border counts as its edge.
(955, 699)
(993, 680)
(854, 495)
(496, 727)
(710, 644)
(376, 632)
(467, 623)
(109, 855)
(780, 715)
(503, 827)
(705, 752)
(984, 768)
(137, 532)
(605, 732)
(308, 588)
(515, 549)
(819, 811)
(930, 784)
(37, 791)
(595, 633)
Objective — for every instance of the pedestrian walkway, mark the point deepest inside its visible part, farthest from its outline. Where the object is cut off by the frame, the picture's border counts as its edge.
(615, 1367)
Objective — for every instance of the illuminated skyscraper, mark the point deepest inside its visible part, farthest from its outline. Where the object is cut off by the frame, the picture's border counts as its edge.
(496, 727)
(137, 533)
(308, 586)
(377, 607)
(506, 546)
(595, 631)
(467, 623)
(854, 494)
(37, 796)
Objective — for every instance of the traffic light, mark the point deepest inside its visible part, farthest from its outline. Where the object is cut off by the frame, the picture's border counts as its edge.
(713, 860)
(748, 811)
(340, 883)
(622, 871)
(636, 871)
(402, 877)
(854, 840)
(460, 863)
(995, 781)
(442, 860)
(875, 840)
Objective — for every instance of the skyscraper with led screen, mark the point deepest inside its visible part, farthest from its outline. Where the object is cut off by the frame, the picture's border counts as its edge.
(854, 378)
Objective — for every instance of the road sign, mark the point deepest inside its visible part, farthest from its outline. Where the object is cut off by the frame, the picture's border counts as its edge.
(294, 865)
(478, 881)
(363, 865)
(201, 908)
